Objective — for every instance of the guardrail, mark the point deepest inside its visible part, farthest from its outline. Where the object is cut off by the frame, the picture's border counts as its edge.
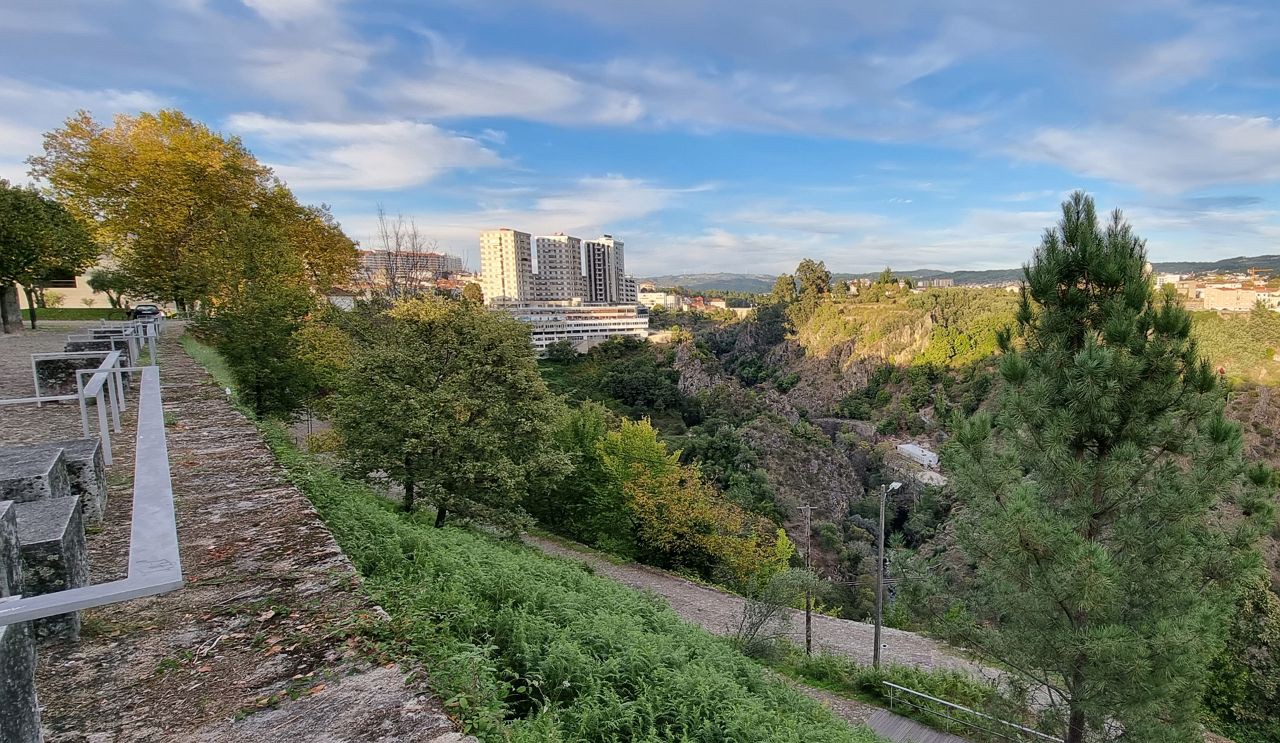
(155, 566)
(1013, 728)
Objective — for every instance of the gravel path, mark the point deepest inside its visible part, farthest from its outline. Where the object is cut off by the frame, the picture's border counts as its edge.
(718, 612)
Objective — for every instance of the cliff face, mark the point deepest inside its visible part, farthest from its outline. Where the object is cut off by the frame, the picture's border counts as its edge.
(803, 465)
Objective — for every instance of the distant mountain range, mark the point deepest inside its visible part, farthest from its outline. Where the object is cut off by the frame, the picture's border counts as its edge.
(762, 283)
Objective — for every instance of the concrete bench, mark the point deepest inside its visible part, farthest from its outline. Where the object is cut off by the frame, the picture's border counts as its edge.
(54, 558)
(86, 473)
(19, 709)
(33, 474)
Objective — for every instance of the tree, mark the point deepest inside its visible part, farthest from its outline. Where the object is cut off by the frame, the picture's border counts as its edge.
(814, 279)
(257, 324)
(170, 198)
(784, 289)
(38, 239)
(447, 399)
(398, 267)
(473, 293)
(112, 282)
(1245, 689)
(1105, 508)
(560, 351)
(159, 190)
(678, 518)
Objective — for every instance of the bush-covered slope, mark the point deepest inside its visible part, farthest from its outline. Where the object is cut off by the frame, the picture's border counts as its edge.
(529, 648)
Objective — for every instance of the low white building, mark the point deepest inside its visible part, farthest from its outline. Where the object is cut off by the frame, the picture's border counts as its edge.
(919, 455)
(666, 300)
(583, 325)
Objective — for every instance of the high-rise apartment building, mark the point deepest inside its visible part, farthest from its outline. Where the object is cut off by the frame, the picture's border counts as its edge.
(629, 294)
(605, 270)
(506, 265)
(557, 273)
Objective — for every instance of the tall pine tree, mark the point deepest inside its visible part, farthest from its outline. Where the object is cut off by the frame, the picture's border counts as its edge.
(1104, 508)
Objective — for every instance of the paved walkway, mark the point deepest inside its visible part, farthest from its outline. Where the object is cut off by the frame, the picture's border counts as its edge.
(262, 643)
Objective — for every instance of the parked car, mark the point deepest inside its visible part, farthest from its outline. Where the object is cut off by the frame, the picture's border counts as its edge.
(139, 311)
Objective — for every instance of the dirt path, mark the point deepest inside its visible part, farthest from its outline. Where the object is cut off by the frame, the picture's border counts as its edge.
(718, 612)
(261, 643)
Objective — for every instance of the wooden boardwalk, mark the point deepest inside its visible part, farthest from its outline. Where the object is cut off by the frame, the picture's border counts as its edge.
(902, 730)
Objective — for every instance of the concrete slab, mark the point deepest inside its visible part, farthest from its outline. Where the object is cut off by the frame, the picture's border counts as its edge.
(54, 558)
(28, 475)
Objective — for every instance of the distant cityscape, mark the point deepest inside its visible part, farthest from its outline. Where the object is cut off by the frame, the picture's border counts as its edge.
(572, 290)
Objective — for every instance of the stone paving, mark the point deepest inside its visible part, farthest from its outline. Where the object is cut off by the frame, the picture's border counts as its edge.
(263, 643)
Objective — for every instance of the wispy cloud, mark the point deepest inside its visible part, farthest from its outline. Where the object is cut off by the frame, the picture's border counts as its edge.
(370, 156)
(1166, 153)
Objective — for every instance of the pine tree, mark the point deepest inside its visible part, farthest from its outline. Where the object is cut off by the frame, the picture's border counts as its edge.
(1104, 509)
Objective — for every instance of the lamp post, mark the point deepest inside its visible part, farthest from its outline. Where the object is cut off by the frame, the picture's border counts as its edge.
(884, 496)
(808, 590)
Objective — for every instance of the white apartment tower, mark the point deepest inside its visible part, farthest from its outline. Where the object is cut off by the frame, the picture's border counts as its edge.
(506, 265)
(605, 272)
(558, 275)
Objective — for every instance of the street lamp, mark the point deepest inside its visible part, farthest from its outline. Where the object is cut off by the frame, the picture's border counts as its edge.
(884, 496)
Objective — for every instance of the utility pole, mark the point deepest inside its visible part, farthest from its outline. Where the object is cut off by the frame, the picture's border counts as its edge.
(884, 496)
(808, 590)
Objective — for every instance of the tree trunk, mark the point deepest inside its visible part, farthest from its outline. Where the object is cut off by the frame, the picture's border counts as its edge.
(441, 513)
(1075, 717)
(1075, 725)
(31, 304)
(408, 494)
(4, 309)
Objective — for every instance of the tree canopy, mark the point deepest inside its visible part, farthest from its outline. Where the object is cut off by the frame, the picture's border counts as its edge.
(167, 196)
(39, 239)
(446, 398)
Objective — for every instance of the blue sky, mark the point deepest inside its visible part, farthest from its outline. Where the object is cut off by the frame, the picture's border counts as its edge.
(712, 135)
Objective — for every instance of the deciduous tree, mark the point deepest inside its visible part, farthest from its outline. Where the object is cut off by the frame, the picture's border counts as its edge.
(38, 239)
(447, 398)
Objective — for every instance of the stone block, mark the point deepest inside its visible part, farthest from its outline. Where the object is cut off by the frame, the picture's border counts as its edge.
(58, 376)
(19, 709)
(33, 474)
(54, 558)
(86, 473)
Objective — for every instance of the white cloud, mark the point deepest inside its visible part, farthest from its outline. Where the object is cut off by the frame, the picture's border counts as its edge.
(362, 156)
(289, 11)
(27, 111)
(453, 85)
(1167, 153)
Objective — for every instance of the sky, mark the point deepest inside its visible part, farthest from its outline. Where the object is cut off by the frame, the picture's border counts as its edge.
(710, 135)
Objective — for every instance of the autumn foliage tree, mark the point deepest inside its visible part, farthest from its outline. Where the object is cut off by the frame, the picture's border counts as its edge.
(167, 196)
(679, 518)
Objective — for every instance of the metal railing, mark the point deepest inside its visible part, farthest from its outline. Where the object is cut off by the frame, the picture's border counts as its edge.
(155, 566)
(1010, 731)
